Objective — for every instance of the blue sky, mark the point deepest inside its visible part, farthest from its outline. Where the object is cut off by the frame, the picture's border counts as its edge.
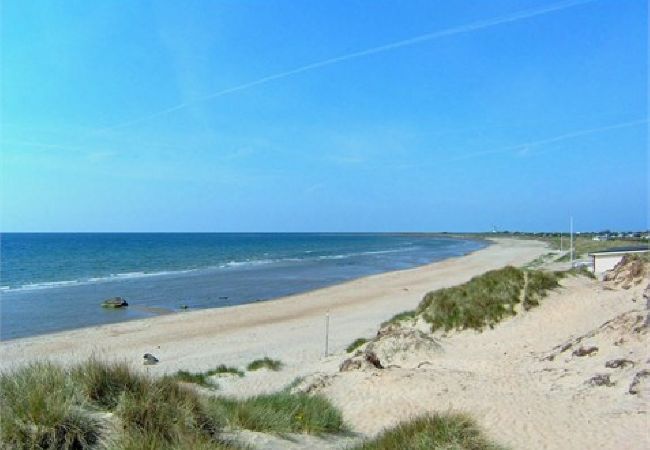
(324, 116)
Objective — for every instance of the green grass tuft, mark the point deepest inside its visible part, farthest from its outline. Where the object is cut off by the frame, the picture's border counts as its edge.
(200, 378)
(433, 432)
(223, 369)
(281, 412)
(104, 383)
(356, 344)
(400, 317)
(41, 409)
(265, 363)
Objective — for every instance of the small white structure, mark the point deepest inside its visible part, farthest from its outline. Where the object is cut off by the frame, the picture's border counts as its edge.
(607, 259)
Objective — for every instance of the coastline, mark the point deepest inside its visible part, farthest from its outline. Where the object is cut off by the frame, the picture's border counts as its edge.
(280, 327)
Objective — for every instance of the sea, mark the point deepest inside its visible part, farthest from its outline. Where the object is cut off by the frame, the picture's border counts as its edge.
(57, 281)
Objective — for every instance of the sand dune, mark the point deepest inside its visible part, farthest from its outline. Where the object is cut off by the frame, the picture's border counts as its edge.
(525, 381)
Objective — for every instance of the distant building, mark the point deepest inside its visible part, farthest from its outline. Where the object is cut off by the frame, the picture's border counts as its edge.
(607, 259)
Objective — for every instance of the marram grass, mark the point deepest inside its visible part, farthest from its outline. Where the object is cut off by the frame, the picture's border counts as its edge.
(44, 406)
(433, 432)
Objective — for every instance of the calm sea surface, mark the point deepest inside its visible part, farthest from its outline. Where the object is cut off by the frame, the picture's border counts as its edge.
(56, 281)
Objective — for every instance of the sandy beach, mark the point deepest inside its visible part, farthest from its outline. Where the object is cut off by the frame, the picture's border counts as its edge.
(291, 328)
(521, 381)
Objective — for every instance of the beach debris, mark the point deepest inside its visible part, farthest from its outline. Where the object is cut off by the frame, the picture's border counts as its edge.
(618, 363)
(601, 379)
(639, 382)
(115, 302)
(149, 359)
(585, 351)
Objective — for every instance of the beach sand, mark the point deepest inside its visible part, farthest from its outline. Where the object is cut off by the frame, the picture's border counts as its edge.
(291, 328)
(505, 377)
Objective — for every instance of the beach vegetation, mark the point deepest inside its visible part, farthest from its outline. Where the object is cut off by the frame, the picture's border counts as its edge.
(400, 317)
(486, 299)
(104, 383)
(205, 378)
(281, 412)
(265, 363)
(47, 406)
(356, 344)
(433, 432)
(40, 408)
(482, 301)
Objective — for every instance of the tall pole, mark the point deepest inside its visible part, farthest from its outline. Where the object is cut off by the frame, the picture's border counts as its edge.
(327, 333)
(561, 244)
(571, 240)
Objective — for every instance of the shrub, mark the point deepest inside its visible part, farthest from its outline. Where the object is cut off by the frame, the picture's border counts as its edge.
(437, 431)
(266, 362)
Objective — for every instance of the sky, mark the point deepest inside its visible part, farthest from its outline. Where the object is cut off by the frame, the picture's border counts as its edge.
(371, 115)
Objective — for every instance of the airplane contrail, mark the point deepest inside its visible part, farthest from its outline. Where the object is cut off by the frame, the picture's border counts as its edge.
(527, 14)
(551, 140)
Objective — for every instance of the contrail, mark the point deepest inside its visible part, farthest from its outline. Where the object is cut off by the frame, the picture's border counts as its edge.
(563, 137)
(361, 53)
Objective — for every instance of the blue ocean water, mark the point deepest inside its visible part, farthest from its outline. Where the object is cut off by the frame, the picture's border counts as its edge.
(56, 281)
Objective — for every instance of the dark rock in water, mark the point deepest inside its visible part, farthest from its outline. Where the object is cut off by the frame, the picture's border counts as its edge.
(585, 351)
(185, 307)
(149, 359)
(600, 380)
(115, 302)
(618, 363)
(223, 298)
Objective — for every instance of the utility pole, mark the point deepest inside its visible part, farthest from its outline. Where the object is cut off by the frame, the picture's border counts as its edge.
(571, 239)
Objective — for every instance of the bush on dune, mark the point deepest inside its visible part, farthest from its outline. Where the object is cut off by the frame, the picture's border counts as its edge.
(433, 432)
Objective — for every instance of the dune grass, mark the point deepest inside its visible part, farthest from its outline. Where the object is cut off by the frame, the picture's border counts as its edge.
(400, 317)
(45, 406)
(281, 412)
(486, 299)
(482, 301)
(433, 432)
(356, 344)
(40, 408)
(265, 363)
(204, 378)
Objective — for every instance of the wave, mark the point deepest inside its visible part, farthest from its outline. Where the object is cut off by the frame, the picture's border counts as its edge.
(228, 265)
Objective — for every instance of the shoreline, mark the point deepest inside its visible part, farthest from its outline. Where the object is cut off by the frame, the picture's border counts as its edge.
(33, 312)
(356, 308)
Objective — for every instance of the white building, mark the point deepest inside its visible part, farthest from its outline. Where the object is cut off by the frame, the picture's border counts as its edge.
(607, 259)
